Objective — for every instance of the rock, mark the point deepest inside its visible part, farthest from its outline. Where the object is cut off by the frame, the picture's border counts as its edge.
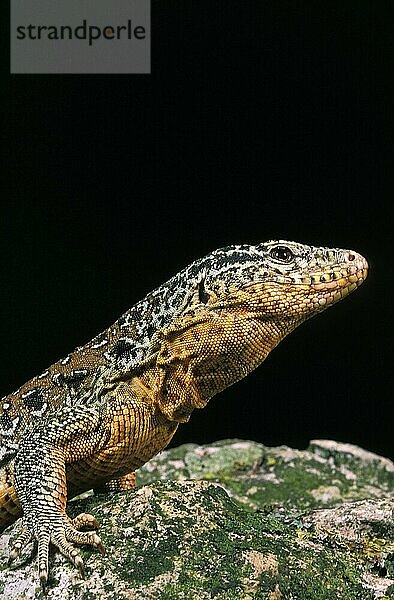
(234, 520)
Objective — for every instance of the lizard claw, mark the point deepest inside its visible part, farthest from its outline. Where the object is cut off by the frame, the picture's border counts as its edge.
(101, 549)
(43, 582)
(80, 566)
(13, 555)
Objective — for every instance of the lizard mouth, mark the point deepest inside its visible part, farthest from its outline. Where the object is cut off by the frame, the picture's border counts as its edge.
(335, 284)
(331, 282)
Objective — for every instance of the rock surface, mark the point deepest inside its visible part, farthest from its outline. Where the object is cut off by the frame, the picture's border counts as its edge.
(234, 520)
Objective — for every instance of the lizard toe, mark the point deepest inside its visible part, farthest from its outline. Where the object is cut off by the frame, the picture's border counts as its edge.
(69, 551)
(43, 555)
(20, 543)
(85, 537)
(84, 520)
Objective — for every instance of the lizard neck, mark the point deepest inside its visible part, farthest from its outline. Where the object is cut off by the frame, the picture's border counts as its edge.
(195, 363)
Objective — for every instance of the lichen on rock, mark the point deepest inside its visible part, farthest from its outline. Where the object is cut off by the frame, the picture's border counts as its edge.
(235, 520)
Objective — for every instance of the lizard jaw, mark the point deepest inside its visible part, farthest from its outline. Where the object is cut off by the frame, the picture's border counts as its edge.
(335, 284)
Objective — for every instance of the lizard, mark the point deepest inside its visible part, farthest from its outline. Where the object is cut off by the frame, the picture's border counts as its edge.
(94, 417)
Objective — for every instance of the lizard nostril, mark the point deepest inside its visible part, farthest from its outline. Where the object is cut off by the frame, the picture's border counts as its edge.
(351, 256)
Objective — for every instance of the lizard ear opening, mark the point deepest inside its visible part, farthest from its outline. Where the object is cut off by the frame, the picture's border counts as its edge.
(203, 296)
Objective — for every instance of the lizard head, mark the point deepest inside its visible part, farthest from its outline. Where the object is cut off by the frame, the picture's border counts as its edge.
(239, 303)
(279, 281)
(321, 275)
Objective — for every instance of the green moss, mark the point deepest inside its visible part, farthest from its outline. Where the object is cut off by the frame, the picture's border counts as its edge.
(212, 559)
(276, 479)
(389, 595)
(389, 565)
(189, 540)
(145, 570)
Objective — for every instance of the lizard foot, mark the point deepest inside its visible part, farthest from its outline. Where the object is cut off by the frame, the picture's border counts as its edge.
(40, 482)
(62, 533)
(64, 537)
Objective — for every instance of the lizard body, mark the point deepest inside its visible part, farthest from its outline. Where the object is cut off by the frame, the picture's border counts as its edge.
(94, 417)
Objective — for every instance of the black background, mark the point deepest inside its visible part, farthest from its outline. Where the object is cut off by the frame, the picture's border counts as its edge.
(260, 120)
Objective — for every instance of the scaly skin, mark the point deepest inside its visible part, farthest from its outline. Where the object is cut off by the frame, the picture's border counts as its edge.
(93, 418)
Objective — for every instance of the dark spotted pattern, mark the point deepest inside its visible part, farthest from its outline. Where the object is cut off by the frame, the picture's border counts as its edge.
(33, 399)
(5, 422)
(74, 380)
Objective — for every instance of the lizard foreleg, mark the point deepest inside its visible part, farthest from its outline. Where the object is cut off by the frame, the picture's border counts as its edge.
(40, 482)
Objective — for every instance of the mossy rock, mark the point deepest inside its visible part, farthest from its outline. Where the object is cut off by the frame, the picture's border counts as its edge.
(235, 520)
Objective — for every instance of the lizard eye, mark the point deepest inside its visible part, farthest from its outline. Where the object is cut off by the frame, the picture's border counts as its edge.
(282, 254)
(202, 294)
